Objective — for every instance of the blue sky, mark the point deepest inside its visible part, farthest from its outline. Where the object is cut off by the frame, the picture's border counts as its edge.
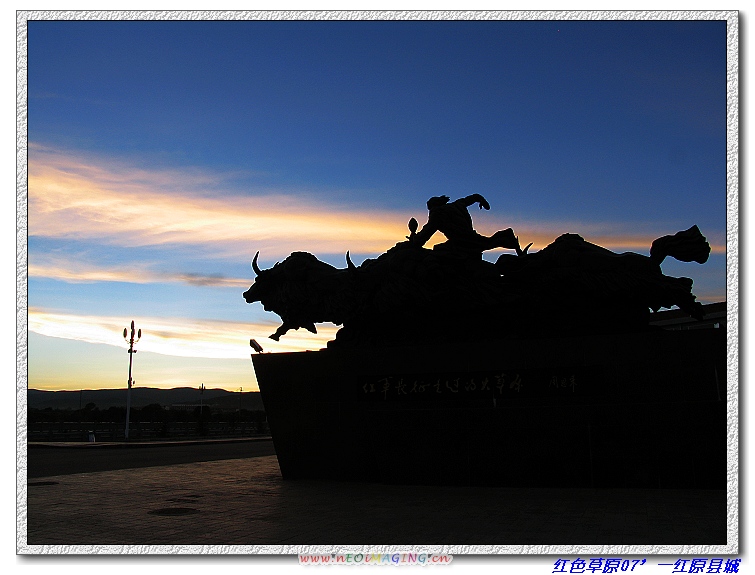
(163, 155)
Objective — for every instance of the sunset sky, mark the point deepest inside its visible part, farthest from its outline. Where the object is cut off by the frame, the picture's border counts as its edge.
(162, 155)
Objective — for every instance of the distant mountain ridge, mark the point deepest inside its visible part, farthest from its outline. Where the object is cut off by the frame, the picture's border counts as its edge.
(141, 396)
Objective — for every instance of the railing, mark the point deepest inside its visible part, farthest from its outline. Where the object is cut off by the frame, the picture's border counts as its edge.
(143, 431)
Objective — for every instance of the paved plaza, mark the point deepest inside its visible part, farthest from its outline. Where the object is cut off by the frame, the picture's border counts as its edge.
(246, 502)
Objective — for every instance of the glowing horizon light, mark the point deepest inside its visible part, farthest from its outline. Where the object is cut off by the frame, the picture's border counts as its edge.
(74, 365)
(178, 337)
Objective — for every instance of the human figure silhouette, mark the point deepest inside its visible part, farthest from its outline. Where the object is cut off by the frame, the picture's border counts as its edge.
(452, 219)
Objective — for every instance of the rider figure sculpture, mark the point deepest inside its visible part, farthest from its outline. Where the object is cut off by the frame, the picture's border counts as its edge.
(453, 220)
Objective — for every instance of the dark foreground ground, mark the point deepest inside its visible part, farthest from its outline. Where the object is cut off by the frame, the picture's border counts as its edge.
(232, 494)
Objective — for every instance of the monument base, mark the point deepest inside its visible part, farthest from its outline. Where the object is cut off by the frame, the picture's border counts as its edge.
(621, 410)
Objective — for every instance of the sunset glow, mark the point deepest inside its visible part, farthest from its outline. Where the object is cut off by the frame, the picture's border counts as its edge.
(84, 200)
(70, 199)
(157, 169)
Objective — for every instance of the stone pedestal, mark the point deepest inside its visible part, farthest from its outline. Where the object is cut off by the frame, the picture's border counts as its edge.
(621, 410)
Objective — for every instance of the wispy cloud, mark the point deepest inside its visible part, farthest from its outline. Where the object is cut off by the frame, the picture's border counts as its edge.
(71, 197)
(74, 271)
(175, 336)
(85, 198)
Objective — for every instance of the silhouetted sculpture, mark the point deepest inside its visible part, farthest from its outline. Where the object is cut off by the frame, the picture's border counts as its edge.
(542, 361)
(414, 295)
(597, 281)
(453, 220)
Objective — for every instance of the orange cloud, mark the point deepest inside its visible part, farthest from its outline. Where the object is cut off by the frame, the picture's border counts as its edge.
(70, 198)
(89, 199)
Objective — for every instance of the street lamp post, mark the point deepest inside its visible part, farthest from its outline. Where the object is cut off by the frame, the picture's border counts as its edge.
(201, 406)
(135, 336)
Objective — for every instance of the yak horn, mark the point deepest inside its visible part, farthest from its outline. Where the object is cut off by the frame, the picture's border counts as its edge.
(255, 267)
(351, 265)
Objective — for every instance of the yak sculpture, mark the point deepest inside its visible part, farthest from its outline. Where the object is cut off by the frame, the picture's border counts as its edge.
(411, 294)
